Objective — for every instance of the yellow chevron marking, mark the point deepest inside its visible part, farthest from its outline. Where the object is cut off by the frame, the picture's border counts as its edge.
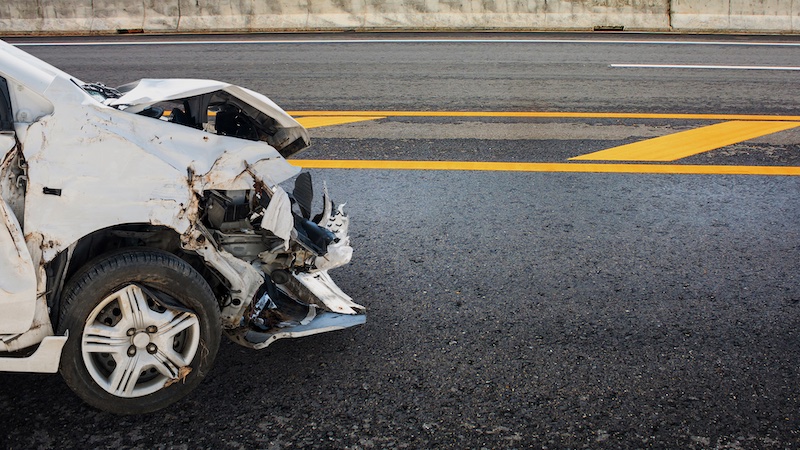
(687, 143)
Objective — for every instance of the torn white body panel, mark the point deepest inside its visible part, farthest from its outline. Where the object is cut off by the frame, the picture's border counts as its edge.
(339, 253)
(278, 217)
(7, 142)
(45, 359)
(68, 182)
(39, 328)
(244, 278)
(323, 287)
(17, 276)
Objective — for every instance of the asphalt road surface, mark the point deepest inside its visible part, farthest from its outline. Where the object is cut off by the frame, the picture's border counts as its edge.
(532, 309)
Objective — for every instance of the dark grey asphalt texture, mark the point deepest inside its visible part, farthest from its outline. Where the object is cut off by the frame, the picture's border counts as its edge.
(505, 310)
(453, 76)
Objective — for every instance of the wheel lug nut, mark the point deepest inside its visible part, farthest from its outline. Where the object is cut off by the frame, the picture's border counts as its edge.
(152, 329)
(131, 332)
(151, 348)
(132, 350)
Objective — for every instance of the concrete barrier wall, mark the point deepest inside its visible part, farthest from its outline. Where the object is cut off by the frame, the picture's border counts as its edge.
(772, 16)
(171, 16)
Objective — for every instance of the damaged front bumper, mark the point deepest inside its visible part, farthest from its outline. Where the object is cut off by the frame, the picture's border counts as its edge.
(272, 260)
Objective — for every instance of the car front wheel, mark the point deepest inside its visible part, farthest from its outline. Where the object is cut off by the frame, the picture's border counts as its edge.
(143, 331)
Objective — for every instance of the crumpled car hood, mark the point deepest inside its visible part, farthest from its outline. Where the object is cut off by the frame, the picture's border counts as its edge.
(141, 94)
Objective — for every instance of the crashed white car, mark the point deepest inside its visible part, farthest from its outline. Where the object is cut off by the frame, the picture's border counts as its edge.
(139, 223)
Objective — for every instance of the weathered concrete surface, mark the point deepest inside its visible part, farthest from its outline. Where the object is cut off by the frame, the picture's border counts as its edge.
(109, 16)
(736, 15)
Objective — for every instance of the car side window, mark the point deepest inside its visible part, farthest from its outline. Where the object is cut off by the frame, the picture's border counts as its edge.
(6, 114)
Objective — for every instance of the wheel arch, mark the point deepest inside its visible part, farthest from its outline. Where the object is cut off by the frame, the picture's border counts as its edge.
(69, 262)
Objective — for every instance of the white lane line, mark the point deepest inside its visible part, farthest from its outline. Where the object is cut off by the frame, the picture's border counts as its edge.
(692, 66)
(404, 41)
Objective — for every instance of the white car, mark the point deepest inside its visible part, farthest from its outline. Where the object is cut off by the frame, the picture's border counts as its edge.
(139, 223)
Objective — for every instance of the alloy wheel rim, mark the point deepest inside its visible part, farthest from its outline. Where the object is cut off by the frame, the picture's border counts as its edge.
(133, 345)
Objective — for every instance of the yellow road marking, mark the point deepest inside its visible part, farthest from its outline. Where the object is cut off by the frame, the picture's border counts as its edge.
(543, 114)
(547, 167)
(687, 143)
(341, 117)
(326, 121)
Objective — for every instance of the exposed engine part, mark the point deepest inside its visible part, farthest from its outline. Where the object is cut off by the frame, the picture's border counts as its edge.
(272, 308)
(303, 194)
(263, 228)
(226, 209)
(281, 276)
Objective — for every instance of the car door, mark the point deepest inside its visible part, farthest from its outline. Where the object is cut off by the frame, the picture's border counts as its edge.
(17, 273)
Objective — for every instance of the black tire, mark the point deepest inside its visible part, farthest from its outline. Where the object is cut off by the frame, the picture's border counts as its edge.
(116, 358)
